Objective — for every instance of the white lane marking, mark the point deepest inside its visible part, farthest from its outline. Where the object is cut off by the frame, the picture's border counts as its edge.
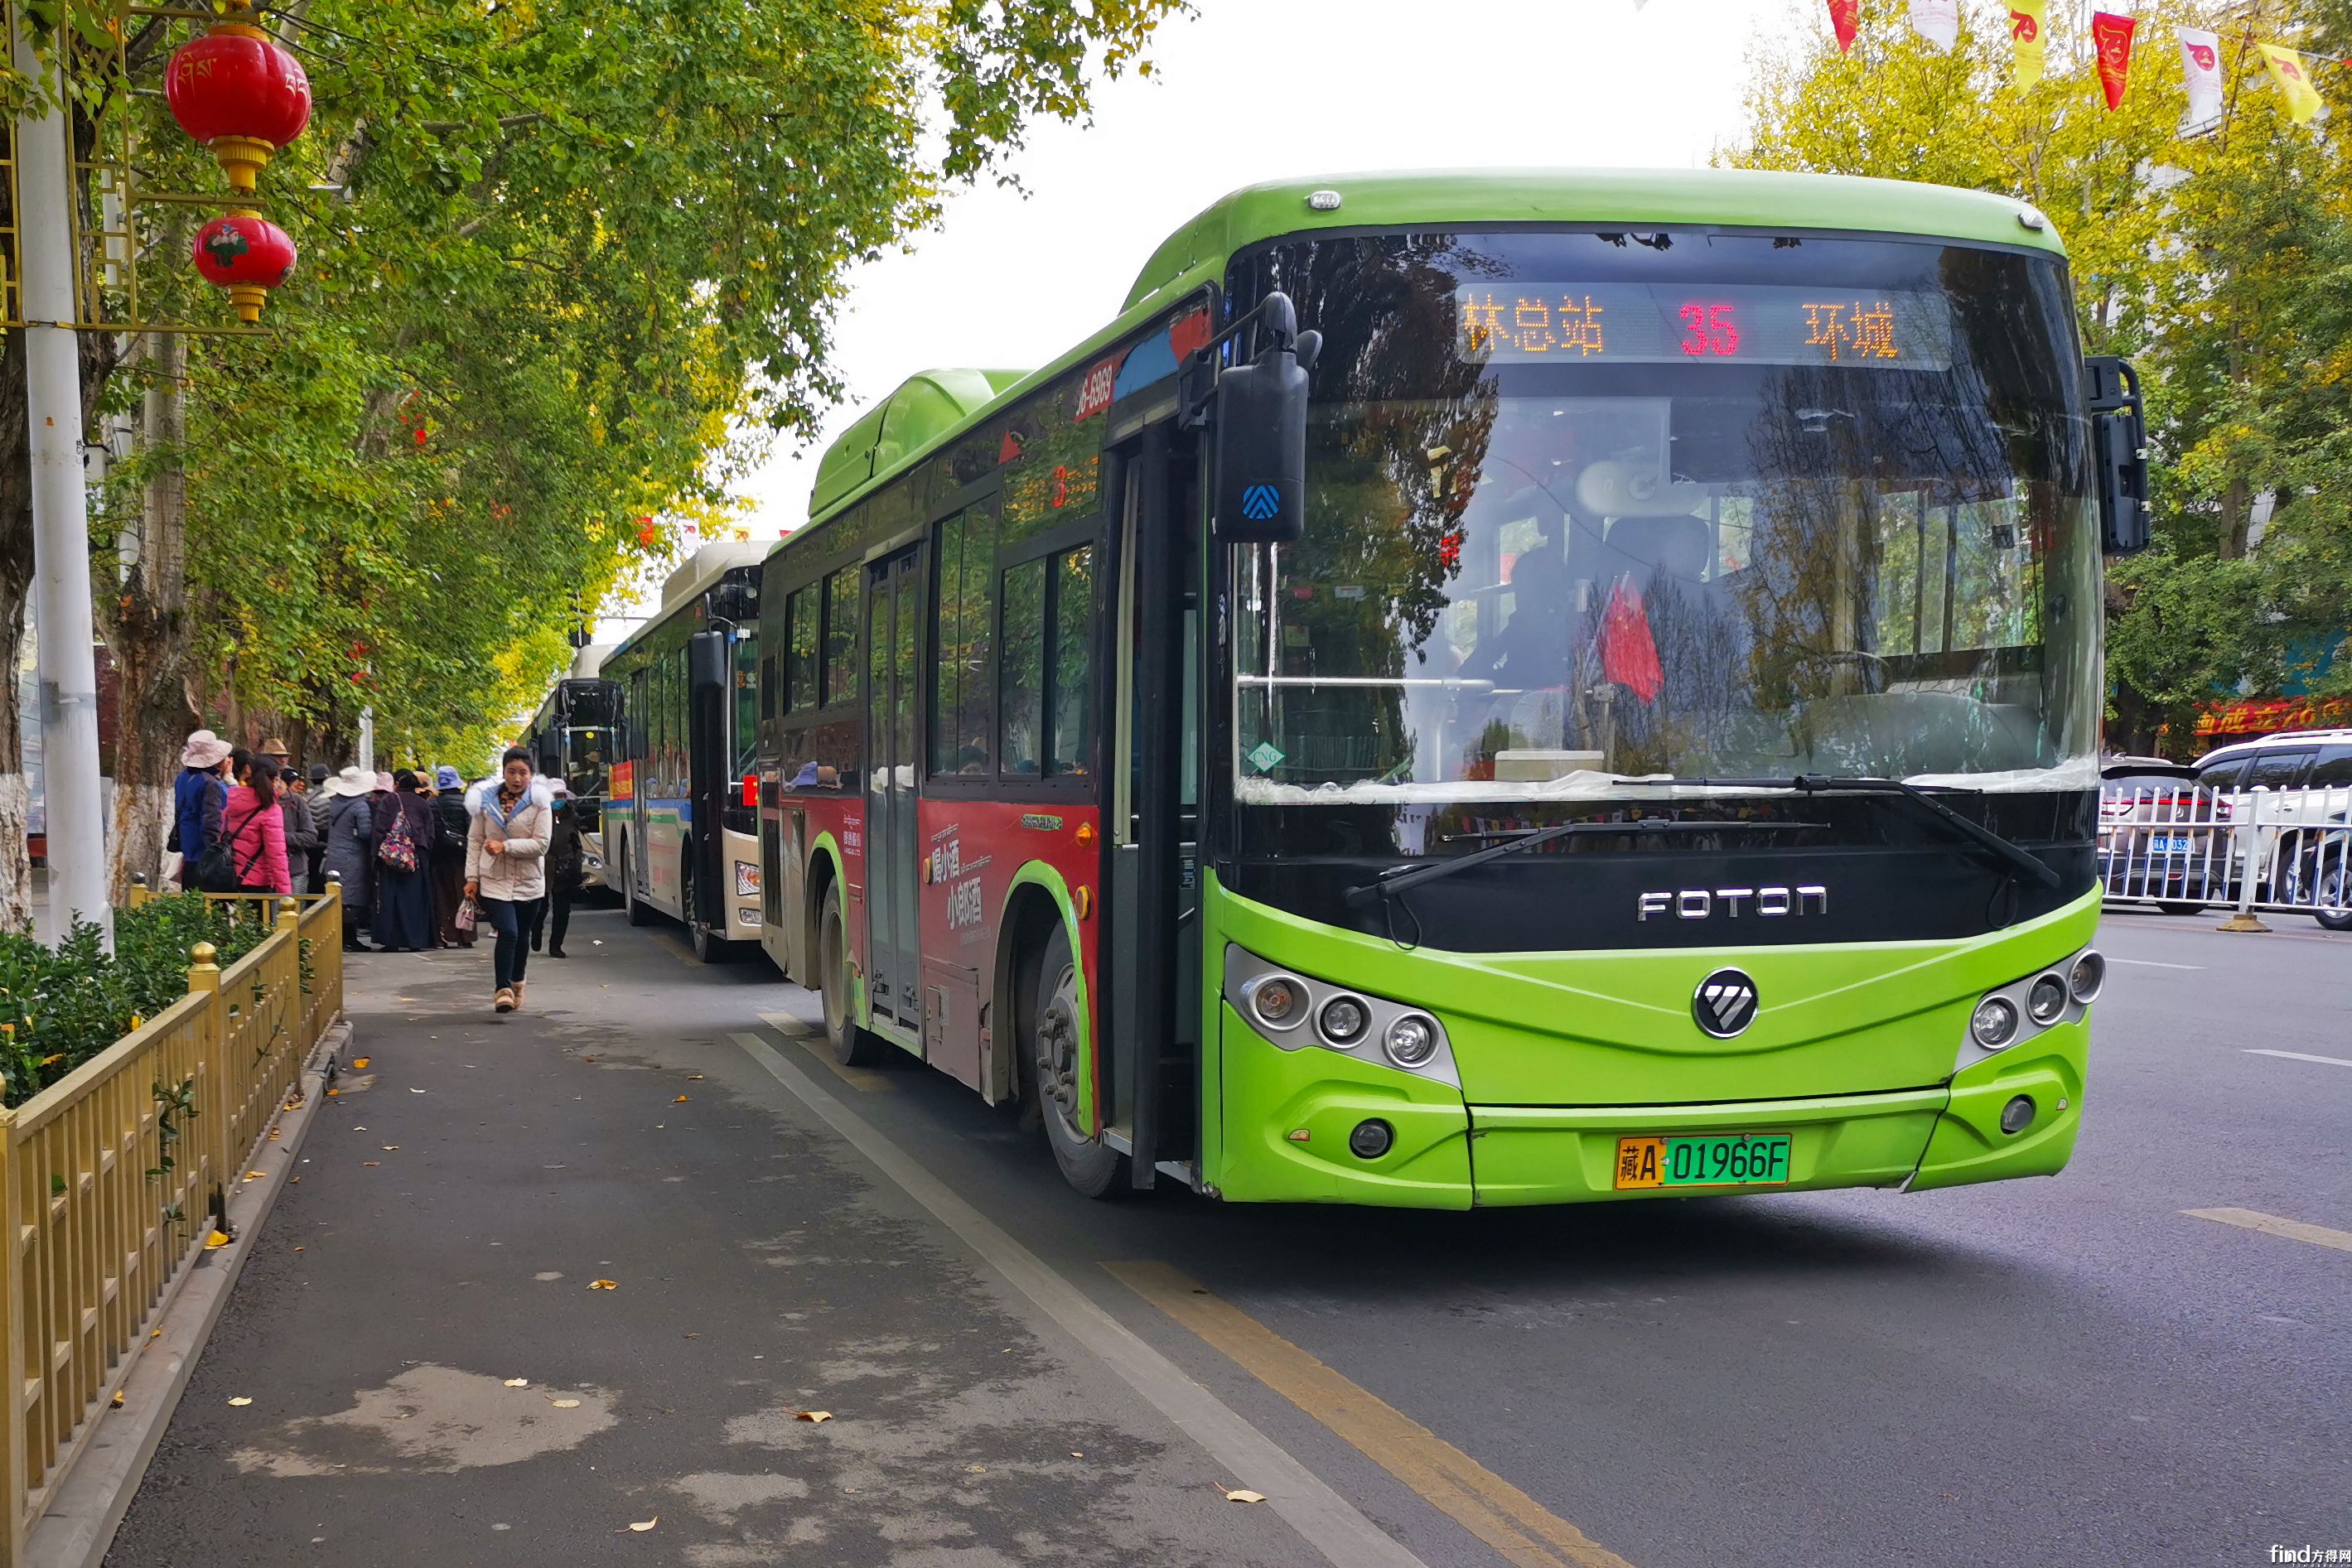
(1324, 1519)
(2151, 964)
(2300, 1056)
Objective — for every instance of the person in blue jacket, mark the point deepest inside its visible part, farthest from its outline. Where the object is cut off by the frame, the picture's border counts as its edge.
(198, 797)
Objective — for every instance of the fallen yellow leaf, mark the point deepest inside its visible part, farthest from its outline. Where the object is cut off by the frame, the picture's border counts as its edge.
(116, 1400)
(1243, 1494)
(813, 1415)
(647, 1525)
(680, 1100)
(360, 1063)
(694, 1077)
(604, 1284)
(334, 1093)
(518, 1383)
(565, 1403)
(216, 1239)
(256, 1176)
(240, 1399)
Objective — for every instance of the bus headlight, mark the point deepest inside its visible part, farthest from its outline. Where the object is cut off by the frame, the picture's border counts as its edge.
(2088, 975)
(1412, 1040)
(1343, 1021)
(1995, 1023)
(1370, 1029)
(1278, 1001)
(2046, 1001)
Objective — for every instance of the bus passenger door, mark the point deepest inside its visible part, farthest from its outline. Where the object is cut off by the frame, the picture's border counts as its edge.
(893, 688)
(1155, 884)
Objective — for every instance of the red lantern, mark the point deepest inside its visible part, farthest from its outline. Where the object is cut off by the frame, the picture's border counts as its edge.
(247, 255)
(238, 92)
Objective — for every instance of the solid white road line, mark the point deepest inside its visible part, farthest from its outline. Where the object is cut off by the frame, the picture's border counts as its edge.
(2150, 964)
(1324, 1519)
(2300, 1056)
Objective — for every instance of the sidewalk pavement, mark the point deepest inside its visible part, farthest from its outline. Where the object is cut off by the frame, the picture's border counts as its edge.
(435, 1377)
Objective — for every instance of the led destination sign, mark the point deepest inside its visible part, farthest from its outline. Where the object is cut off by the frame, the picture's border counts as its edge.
(1764, 324)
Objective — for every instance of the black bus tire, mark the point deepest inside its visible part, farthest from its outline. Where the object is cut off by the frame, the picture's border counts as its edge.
(1049, 1056)
(2175, 906)
(851, 1046)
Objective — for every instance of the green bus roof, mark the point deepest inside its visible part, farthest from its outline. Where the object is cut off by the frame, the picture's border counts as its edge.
(930, 407)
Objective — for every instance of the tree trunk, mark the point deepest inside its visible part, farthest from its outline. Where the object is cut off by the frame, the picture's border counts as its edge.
(147, 626)
(15, 583)
(2237, 519)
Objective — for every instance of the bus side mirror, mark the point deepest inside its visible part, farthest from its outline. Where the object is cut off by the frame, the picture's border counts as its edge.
(706, 661)
(2119, 449)
(1261, 447)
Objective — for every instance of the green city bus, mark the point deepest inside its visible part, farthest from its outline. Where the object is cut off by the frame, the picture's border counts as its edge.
(1480, 688)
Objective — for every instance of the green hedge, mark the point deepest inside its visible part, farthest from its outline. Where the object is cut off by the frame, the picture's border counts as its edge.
(60, 1007)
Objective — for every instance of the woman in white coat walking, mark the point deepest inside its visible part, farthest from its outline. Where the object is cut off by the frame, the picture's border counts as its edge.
(506, 854)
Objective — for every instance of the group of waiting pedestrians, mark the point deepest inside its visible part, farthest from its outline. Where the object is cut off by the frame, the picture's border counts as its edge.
(422, 860)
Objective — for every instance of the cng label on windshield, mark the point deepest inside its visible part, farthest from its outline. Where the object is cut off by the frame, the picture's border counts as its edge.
(1264, 755)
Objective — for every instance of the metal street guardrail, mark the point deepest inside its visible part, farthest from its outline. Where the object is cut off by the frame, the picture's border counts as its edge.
(113, 1174)
(2184, 847)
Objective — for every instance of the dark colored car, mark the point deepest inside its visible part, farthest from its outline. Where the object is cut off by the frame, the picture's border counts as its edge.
(2163, 837)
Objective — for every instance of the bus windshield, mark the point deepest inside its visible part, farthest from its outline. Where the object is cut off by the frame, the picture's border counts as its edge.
(1593, 511)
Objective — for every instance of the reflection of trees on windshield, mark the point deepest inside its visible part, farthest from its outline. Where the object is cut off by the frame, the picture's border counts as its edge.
(1393, 466)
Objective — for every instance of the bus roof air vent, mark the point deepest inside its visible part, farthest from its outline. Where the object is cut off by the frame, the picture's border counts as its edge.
(924, 407)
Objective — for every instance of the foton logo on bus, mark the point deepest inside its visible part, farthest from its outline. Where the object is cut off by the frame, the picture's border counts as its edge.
(1699, 903)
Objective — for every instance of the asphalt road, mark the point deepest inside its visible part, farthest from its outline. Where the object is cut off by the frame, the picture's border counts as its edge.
(2074, 1369)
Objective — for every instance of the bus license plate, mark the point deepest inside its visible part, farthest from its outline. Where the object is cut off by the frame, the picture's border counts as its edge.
(1750, 1159)
(2170, 844)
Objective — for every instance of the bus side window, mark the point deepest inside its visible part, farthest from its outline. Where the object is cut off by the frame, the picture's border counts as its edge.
(1074, 614)
(840, 685)
(800, 650)
(1021, 709)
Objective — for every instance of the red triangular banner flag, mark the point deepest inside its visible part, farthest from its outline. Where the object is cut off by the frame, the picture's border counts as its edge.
(2112, 34)
(1845, 19)
(1629, 655)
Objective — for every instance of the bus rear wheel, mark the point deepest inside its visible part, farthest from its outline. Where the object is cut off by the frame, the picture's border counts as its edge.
(1050, 1055)
(851, 1046)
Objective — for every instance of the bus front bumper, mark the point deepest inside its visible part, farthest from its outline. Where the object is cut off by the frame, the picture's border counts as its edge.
(1443, 1154)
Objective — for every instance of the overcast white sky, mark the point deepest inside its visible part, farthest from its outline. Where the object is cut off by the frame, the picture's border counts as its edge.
(1256, 90)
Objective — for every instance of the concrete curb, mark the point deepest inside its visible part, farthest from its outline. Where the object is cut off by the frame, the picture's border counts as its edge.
(88, 1504)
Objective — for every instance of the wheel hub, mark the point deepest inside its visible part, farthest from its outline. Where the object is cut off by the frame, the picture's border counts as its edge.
(1057, 1042)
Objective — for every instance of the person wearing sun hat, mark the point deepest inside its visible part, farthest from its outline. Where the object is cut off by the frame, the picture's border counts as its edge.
(351, 846)
(197, 798)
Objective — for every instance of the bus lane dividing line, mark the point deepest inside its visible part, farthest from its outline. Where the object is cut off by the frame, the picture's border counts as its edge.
(865, 1080)
(1517, 1526)
(2271, 1225)
(1323, 1519)
(2300, 1056)
(2153, 963)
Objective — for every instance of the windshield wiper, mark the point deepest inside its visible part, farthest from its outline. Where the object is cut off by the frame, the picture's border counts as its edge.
(2014, 856)
(1396, 879)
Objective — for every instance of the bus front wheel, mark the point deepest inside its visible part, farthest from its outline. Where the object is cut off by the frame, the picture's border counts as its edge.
(1052, 1057)
(639, 912)
(851, 1046)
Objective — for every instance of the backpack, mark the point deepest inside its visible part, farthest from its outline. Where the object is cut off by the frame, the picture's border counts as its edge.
(397, 849)
(217, 871)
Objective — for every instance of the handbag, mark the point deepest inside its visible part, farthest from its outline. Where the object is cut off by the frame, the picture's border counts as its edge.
(465, 918)
(217, 871)
(397, 849)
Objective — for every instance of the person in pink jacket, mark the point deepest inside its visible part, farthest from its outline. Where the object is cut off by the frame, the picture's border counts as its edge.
(255, 827)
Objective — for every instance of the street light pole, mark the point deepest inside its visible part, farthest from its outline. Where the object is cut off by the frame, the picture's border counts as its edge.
(61, 608)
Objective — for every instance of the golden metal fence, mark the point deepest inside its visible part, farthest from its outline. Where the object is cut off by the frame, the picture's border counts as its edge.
(113, 1173)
